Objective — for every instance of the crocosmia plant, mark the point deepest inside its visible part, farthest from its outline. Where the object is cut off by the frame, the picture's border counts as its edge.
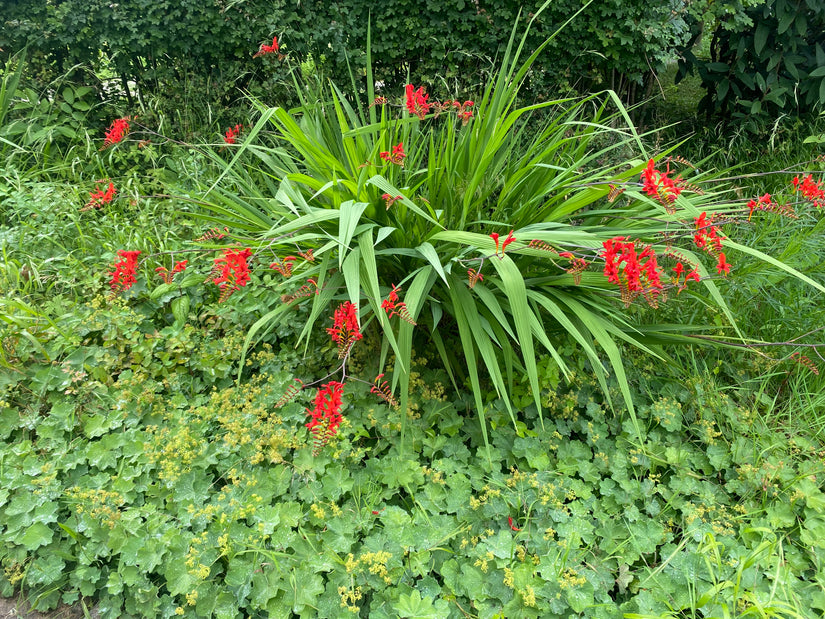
(509, 235)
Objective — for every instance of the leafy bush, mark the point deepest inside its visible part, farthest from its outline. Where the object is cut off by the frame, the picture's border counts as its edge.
(771, 65)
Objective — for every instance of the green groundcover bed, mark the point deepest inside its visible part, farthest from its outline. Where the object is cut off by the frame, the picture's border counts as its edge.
(137, 477)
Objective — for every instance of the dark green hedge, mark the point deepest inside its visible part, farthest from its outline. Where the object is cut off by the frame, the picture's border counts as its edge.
(770, 65)
(157, 43)
(768, 53)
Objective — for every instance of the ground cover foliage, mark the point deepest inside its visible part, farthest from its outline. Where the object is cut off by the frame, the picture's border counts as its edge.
(148, 471)
(137, 475)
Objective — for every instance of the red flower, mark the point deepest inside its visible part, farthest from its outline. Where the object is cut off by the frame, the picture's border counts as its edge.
(679, 270)
(811, 189)
(762, 203)
(659, 185)
(610, 253)
(641, 273)
(345, 329)
(394, 307)
(284, 267)
(325, 414)
(722, 266)
(270, 49)
(389, 200)
(707, 235)
(168, 277)
(510, 238)
(231, 271)
(98, 198)
(694, 275)
(125, 273)
(463, 111)
(397, 155)
(118, 130)
(417, 101)
(494, 236)
(577, 265)
(232, 134)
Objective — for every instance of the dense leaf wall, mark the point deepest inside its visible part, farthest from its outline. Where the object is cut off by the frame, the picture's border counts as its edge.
(767, 54)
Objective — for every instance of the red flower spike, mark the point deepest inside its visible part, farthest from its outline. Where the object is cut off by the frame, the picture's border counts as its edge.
(707, 235)
(659, 185)
(99, 197)
(389, 200)
(812, 190)
(396, 156)
(345, 329)
(536, 244)
(164, 274)
(232, 134)
(125, 274)
(118, 130)
(463, 111)
(474, 277)
(805, 361)
(291, 392)
(231, 272)
(614, 192)
(637, 277)
(213, 233)
(394, 307)
(417, 101)
(512, 525)
(302, 292)
(577, 266)
(307, 255)
(381, 388)
(762, 203)
(510, 238)
(722, 267)
(270, 49)
(325, 414)
(167, 276)
(284, 267)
